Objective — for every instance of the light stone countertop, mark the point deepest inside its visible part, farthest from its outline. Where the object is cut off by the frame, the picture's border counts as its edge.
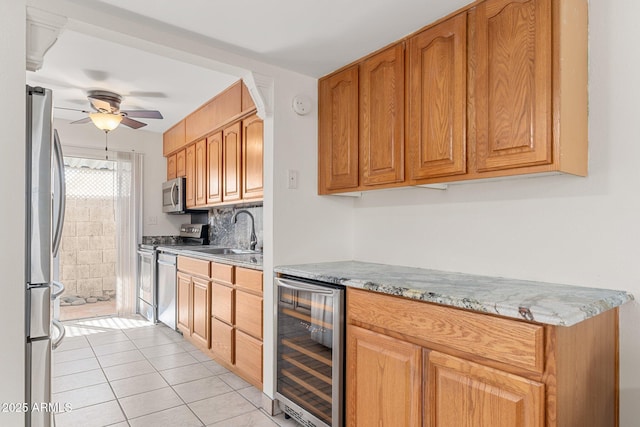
(253, 261)
(540, 302)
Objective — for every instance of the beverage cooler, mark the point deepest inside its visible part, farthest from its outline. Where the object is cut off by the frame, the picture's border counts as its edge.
(310, 351)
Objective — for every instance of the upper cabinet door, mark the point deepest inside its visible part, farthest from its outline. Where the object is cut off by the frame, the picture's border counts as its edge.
(513, 82)
(201, 173)
(338, 131)
(190, 167)
(382, 117)
(171, 167)
(232, 162)
(252, 158)
(214, 168)
(438, 100)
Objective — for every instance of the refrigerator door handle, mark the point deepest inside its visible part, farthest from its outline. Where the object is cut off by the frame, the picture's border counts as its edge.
(57, 237)
(62, 332)
(60, 290)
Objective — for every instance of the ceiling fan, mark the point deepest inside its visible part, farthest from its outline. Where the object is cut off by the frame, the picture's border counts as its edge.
(108, 115)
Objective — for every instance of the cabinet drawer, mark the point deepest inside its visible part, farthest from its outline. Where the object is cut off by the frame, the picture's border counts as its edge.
(194, 266)
(249, 313)
(222, 272)
(249, 357)
(222, 302)
(503, 340)
(249, 279)
(222, 340)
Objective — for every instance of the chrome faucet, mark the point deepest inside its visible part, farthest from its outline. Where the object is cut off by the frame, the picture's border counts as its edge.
(254, 238)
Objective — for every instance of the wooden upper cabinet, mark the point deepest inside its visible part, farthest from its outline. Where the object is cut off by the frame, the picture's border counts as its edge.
(171, 167)
(252, 158)
(181, 163)
(214, 113)
(513, 84)
(468, 394)
(382, 117)
(338, 131)
(438, 100)
(201, 173)
(173, 139)
(232, 159)
(214, 168)
(247, 100)
(387, 371)
(190, 167)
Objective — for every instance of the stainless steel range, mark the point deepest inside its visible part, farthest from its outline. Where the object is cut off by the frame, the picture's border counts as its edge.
(156, 284)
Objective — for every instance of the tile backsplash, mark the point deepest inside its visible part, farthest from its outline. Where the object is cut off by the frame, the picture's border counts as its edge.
(222, 232)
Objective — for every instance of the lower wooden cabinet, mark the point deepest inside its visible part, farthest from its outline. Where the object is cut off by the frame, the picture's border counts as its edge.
(248, 355)
(470, 394)
(201, 311)
(411, 363)
(222, 339)
(387, 371)
(236, 320)
(184, 303)
(220, 308)
(194, 296)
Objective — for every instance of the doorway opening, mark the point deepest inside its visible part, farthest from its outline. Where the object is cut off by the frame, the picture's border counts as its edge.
(88, 253)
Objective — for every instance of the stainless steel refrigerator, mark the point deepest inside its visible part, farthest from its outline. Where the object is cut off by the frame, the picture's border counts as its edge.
(44, 220)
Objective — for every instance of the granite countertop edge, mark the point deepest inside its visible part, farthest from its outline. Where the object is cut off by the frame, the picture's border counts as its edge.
(239, 260)
(444, 288)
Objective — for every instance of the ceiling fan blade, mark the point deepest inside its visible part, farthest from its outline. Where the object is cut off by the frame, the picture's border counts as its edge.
(72, 109)
(143, 114)
(102, 105)
(133, 124)
(85, 120)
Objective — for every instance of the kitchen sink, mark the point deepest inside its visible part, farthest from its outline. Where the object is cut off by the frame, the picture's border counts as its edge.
(225, 251)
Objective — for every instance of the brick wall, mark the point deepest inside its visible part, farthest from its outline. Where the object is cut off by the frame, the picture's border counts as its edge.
(88, 249)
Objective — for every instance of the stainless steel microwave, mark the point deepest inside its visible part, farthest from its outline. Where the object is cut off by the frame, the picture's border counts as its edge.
(174, 196)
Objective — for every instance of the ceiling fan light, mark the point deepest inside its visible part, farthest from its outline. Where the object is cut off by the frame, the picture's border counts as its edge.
(105, 121)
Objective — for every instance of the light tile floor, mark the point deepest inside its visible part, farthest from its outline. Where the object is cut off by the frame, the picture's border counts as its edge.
(127, 372)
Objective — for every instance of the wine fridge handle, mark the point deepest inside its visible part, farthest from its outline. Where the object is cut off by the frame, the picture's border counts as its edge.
(302, 286)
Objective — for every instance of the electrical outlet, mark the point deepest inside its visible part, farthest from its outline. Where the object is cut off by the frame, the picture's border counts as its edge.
(292, 179)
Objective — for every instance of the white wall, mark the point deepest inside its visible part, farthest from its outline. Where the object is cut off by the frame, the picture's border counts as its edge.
(581, 231)
(12, 172)
(87, 136)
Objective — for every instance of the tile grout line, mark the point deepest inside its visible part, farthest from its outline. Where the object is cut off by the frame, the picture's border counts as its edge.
(185, 350)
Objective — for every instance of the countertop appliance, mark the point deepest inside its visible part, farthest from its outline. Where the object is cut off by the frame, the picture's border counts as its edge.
(44, 220)
(310, 349)
(156, 284)
(174, 196)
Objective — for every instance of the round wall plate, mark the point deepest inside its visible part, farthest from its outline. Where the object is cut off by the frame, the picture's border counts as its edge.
(301, 105)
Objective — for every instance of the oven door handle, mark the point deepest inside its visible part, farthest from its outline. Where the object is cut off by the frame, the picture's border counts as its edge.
(302, 286)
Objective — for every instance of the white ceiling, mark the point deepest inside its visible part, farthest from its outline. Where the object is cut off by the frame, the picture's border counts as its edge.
(307, 36)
